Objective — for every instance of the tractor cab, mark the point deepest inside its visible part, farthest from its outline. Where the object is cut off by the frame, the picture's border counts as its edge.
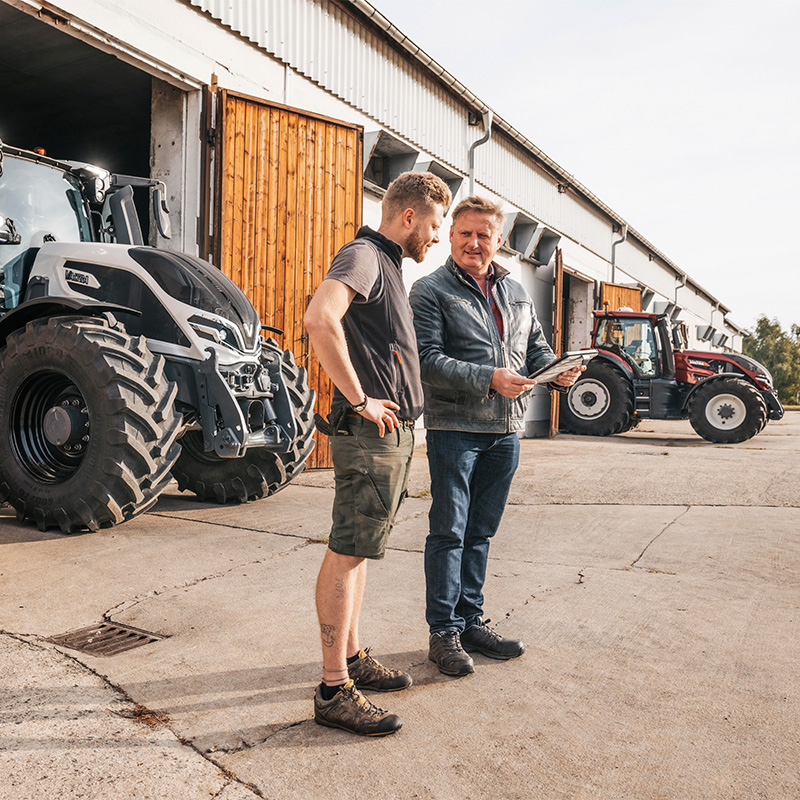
(640, 341)
(43, 199)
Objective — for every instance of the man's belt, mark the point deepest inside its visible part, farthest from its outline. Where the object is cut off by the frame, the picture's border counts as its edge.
(338, 422)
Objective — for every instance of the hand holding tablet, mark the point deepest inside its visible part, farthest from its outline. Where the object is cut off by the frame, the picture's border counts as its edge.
(571, 360)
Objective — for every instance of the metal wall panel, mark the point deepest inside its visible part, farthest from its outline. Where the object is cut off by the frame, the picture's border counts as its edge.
(332, 49)
(329, 47)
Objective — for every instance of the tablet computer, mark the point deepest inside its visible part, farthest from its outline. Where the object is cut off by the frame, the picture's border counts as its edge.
(574, 358)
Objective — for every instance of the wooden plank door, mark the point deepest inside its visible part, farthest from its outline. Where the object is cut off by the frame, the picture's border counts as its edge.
(618, 296)
(289, 195)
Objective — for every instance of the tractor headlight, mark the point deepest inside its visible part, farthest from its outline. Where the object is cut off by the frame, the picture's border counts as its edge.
(214, 331)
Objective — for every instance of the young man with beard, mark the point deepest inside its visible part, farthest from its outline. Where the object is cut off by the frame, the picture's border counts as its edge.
(360, 325)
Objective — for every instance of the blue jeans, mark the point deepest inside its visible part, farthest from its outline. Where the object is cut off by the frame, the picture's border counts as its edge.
(471, 475)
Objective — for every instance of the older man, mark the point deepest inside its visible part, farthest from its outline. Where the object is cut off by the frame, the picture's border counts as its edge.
(478, 339)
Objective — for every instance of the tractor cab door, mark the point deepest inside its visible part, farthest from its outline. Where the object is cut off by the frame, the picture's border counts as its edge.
(665, 345)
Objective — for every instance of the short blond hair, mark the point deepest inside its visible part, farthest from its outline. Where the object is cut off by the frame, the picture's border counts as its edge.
(480, 205)
(418, 190)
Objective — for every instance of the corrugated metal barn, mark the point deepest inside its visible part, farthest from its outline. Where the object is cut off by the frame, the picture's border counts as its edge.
(277, 126)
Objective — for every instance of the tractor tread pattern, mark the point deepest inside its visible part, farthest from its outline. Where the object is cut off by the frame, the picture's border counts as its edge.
(135, 405)
(755, 419)
(617, 419)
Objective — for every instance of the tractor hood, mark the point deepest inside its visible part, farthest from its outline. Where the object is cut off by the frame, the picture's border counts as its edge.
(706, 360)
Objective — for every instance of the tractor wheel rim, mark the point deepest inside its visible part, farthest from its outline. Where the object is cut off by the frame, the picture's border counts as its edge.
(49, 426)
(589, 399)
(725, 411)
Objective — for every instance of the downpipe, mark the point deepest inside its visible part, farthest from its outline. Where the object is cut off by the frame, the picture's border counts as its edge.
(488, 116)
(614, 252)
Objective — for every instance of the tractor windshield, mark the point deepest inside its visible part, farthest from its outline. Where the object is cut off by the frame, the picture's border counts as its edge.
(632, 338)
(45, 204)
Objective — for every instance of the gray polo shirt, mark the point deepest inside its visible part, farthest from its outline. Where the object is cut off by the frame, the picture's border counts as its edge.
(378, 325)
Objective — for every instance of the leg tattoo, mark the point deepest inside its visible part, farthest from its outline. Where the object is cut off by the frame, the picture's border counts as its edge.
(328, 638)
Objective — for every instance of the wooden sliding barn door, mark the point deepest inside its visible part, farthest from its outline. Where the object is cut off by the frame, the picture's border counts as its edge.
(288, 196)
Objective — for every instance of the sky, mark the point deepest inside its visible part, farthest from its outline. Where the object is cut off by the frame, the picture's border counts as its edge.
(683, 116)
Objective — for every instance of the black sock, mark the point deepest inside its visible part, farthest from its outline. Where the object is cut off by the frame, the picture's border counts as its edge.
(354, 658)
(329, 692)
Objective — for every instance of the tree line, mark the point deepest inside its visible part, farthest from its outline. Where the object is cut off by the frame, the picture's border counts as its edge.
(779, 351)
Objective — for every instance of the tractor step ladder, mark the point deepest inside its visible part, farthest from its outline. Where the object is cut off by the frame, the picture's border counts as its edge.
(641, 399)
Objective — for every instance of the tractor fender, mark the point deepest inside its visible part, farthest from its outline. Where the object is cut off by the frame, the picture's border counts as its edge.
(705, 381)
(620, 363)
(42, 307)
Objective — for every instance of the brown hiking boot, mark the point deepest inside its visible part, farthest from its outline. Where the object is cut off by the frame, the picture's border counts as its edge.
(351, 711)
(367, 673)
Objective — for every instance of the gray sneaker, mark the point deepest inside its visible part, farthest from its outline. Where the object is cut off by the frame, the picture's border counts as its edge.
(368, 673)
(351, 711)
(446, 652)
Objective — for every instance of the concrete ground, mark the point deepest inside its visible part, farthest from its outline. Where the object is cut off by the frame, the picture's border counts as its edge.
(654, 577)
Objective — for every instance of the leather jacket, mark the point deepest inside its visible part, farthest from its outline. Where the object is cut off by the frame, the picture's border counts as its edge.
(460, 347)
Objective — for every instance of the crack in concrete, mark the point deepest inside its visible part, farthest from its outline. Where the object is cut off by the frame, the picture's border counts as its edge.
(514, 610)
(178, 516)
(406, 549)
(228, 773)
(219, 793)
(28, 639)
(140, 709)
(240, 748)
(583, 570)
(130, 603)
(658, 536)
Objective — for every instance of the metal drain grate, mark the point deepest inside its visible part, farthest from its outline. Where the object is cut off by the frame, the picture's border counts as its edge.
(105, 639)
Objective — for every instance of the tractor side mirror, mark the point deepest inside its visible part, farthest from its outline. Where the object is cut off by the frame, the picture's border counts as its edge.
(8, 233)
(160, 210)
(680, 336)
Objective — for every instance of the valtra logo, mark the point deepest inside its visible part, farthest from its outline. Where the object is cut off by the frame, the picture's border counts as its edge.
(82, 278)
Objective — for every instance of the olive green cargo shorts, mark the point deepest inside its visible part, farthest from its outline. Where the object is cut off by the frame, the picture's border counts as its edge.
(371, 478)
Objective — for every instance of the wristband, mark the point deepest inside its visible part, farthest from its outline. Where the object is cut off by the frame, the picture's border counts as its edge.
(361, 406)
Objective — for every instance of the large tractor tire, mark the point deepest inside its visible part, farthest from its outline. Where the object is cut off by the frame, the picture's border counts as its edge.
(727, 411)
(89, 429)
(600, 403)
(630, 424)
(259, 472)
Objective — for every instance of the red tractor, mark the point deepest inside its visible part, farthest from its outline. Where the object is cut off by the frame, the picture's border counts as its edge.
(644, 371)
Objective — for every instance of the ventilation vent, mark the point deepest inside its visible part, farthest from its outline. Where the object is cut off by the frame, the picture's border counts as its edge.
(385, 157)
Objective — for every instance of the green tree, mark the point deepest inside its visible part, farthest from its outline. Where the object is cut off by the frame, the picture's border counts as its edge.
(779, 352)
